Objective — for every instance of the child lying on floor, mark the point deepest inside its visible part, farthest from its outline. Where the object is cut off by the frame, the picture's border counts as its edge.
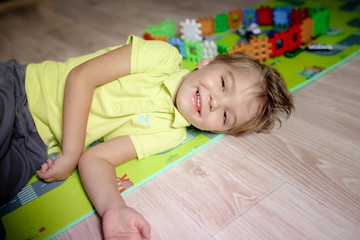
(65, 106)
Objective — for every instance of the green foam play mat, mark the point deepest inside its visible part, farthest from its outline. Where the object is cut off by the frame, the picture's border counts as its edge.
(44, 210)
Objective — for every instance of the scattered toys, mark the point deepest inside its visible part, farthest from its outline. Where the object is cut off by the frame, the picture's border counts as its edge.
(297, 28)
(250, 31)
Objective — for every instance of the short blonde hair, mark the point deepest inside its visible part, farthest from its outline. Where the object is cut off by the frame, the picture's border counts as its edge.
(276, 102)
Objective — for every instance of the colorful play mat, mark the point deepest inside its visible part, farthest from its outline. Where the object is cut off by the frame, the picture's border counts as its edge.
(283, 36)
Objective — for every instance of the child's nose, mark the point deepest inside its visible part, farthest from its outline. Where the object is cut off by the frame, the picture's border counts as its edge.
(214, 103)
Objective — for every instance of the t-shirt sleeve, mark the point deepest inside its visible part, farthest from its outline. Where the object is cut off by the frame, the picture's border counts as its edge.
(152, 56)
(146, 145)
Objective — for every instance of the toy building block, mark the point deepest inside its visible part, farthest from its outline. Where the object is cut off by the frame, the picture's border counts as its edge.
(285, 41)
(279, 43)
(165, 28)
(221, 22)
(235, 18)
(307, 30)
(260, 48)
(179, 44)
(147, 36)
(209, 49)
(265, 16)
(207, 25)
(294, 39)
(249, 16)
(168, 28)
(298, 15)
(190, 30)
(161, 38)
(243, 48)
(193, 50)
(281, 16)
(222, 49)
(321, 18)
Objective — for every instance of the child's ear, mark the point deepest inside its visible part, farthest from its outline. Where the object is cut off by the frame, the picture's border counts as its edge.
(204, 62)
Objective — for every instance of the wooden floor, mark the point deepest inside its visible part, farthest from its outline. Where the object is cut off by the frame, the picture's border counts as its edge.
(301, 182)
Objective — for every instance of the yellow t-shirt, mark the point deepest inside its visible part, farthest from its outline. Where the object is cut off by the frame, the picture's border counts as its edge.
(138, 105)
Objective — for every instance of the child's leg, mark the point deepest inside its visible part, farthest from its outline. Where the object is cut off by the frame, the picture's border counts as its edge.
(21, 148)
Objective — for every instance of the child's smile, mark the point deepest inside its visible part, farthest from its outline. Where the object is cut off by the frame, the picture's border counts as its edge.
(196, 101)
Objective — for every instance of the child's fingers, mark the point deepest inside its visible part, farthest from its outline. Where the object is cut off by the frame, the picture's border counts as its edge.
(50, 162)
(44, 167)
(45, 175)
(41, 174)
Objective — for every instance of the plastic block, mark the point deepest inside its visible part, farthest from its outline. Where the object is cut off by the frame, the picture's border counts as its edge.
(207, 25)
(165, 28)
(222, 49)
(294, 39)
(249, 16)
(281, 16)
(265, 16)
(179, 44)
(321, 18)
(279, 44)
(307, 30)
(147, 36)
(235, 18)
(221, 22)
(190, 30)
(193, 50)
(209, 49)
(298, 15)
(260, 48)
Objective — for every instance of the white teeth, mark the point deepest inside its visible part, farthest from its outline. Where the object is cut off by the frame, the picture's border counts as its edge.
(198, 100)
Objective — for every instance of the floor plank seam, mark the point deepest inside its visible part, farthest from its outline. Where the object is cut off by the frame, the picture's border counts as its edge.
(258, 162)
(254, 205)
(184, 210)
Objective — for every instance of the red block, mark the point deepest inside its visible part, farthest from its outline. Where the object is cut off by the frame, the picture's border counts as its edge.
(298, 15)
(294, 37)
(278, 44)
(264, 16)
(147, 36)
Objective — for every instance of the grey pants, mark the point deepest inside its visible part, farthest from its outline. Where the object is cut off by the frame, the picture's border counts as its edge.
(21, 149)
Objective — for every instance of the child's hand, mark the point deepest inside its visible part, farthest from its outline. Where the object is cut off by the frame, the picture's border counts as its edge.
(124, 223)
(57, 170)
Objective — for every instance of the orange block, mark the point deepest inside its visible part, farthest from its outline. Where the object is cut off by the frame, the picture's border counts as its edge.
(161, 38)
(259, 48)
(307, 30)
(207, 25)
(235, 18)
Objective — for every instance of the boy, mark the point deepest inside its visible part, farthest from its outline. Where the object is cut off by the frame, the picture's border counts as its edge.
(139, 101)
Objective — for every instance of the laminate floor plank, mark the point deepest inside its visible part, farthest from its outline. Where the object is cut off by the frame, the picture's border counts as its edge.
(217, 181)
(289, 213)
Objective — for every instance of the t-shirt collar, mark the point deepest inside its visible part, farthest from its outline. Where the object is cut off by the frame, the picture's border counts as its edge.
(171, 84)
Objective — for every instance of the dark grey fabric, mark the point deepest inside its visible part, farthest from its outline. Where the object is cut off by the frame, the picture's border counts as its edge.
(21, 149)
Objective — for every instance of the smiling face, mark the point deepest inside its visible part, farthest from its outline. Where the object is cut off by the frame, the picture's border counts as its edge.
(217, 97)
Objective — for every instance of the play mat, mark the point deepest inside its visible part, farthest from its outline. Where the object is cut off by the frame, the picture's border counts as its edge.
(289, 30)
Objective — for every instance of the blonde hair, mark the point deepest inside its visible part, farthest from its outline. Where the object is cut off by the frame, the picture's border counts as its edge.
(276, 102)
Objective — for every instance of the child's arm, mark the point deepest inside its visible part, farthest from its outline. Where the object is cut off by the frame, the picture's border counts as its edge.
(96, 168)
(79, 89)
(97, 165)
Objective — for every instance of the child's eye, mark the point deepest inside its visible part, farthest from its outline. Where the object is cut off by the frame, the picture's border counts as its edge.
(223, 84)
(225, 116)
